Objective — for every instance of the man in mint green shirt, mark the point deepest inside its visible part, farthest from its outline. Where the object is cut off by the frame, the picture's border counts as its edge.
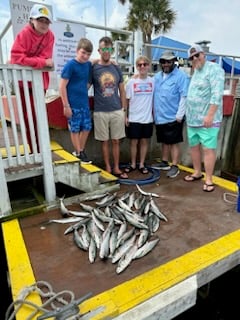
(204, 114)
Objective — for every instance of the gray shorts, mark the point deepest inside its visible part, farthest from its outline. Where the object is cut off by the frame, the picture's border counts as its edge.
(109, 125)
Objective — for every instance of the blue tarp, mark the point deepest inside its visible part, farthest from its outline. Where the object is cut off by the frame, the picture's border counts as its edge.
(227, 64)
(175, 45)
(169, 43)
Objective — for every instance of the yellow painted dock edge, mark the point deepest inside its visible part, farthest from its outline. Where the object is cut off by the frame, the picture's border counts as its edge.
(68, 157)
(19, 266)
(126, 296)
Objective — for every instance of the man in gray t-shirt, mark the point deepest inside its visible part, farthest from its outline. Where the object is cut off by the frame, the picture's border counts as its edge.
(109, 106)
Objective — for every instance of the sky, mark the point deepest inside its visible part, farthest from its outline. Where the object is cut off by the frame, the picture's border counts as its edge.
(213, 20)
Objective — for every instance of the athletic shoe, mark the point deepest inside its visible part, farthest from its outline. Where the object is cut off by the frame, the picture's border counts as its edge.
(83, 157)
(173, 172)
(163, 165)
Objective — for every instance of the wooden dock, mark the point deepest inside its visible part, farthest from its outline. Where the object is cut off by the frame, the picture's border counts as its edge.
(200, 242)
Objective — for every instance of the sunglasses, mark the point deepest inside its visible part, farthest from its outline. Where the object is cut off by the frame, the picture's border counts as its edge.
(194, 56)
(142, 64)
(163, 61)
(43, 20)
(106, 49)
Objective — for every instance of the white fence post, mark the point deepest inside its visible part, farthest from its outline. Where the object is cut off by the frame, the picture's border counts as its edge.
(43, 136)
(5, 206)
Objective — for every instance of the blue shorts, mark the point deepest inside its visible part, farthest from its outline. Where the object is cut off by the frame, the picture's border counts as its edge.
(207, 137)
(80, 120)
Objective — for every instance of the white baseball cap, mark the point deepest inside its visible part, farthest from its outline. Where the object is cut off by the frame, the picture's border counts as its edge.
(196, 48)
(39, 11)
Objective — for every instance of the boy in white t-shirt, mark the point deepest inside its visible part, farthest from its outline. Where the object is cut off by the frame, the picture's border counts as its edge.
(139, 121)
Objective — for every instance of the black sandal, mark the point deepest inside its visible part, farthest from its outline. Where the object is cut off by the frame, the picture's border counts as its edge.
(129, 169)
(143, 170)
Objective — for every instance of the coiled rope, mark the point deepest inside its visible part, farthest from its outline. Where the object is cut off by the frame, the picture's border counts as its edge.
(155, 175)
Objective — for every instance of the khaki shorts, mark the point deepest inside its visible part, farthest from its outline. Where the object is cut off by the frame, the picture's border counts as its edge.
(109, 125)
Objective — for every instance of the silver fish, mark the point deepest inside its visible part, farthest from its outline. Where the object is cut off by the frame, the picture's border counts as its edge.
(107, 211)
(79, 241)
(85, 236)
(113, 240)
(97, 221)
(131, 200)
(82, 214)
(101, 216)
(143, 236)
(96, 196)
(92, 251)
(153, 222)
(104, 248)
(64, 211)
(122, 229)
(156, 211)
(86, 207)
(136, 222)
(124, 206)
(125, 236)
(95, 232)
(146, 248)
(147, 207)
(120, 251)
(76, 225)
(66, 220)
(124, 196)
(124, 262)
(147, 193)
(106, 200)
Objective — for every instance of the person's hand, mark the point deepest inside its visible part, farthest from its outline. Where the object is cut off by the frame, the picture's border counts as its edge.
(67, 111)
(208, 121)
(178, 120)
(49, 62)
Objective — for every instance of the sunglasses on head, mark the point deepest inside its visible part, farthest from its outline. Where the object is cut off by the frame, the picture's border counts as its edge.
(144, 64)
(194, 56)
(163, 61)
(106, 49)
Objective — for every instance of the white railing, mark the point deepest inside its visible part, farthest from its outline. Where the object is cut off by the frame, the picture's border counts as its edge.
(17, 159)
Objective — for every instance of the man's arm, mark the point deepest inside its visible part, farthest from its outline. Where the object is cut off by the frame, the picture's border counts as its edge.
(67, 111)
(122, 93)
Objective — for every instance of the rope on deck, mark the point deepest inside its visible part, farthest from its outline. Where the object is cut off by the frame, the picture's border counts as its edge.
(62, 304)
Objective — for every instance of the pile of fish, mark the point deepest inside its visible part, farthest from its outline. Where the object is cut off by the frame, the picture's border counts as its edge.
(119, 228)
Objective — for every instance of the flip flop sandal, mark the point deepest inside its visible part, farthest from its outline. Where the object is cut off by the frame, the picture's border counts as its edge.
(121, 175)
(143, 170)
(191, 178)
(208, 187)
(129, 169)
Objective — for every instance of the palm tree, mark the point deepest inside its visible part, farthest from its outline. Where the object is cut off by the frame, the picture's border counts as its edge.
(151, 17)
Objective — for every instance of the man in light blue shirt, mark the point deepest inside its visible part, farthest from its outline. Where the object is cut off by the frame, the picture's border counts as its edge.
(204, 114)
(170, 93)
